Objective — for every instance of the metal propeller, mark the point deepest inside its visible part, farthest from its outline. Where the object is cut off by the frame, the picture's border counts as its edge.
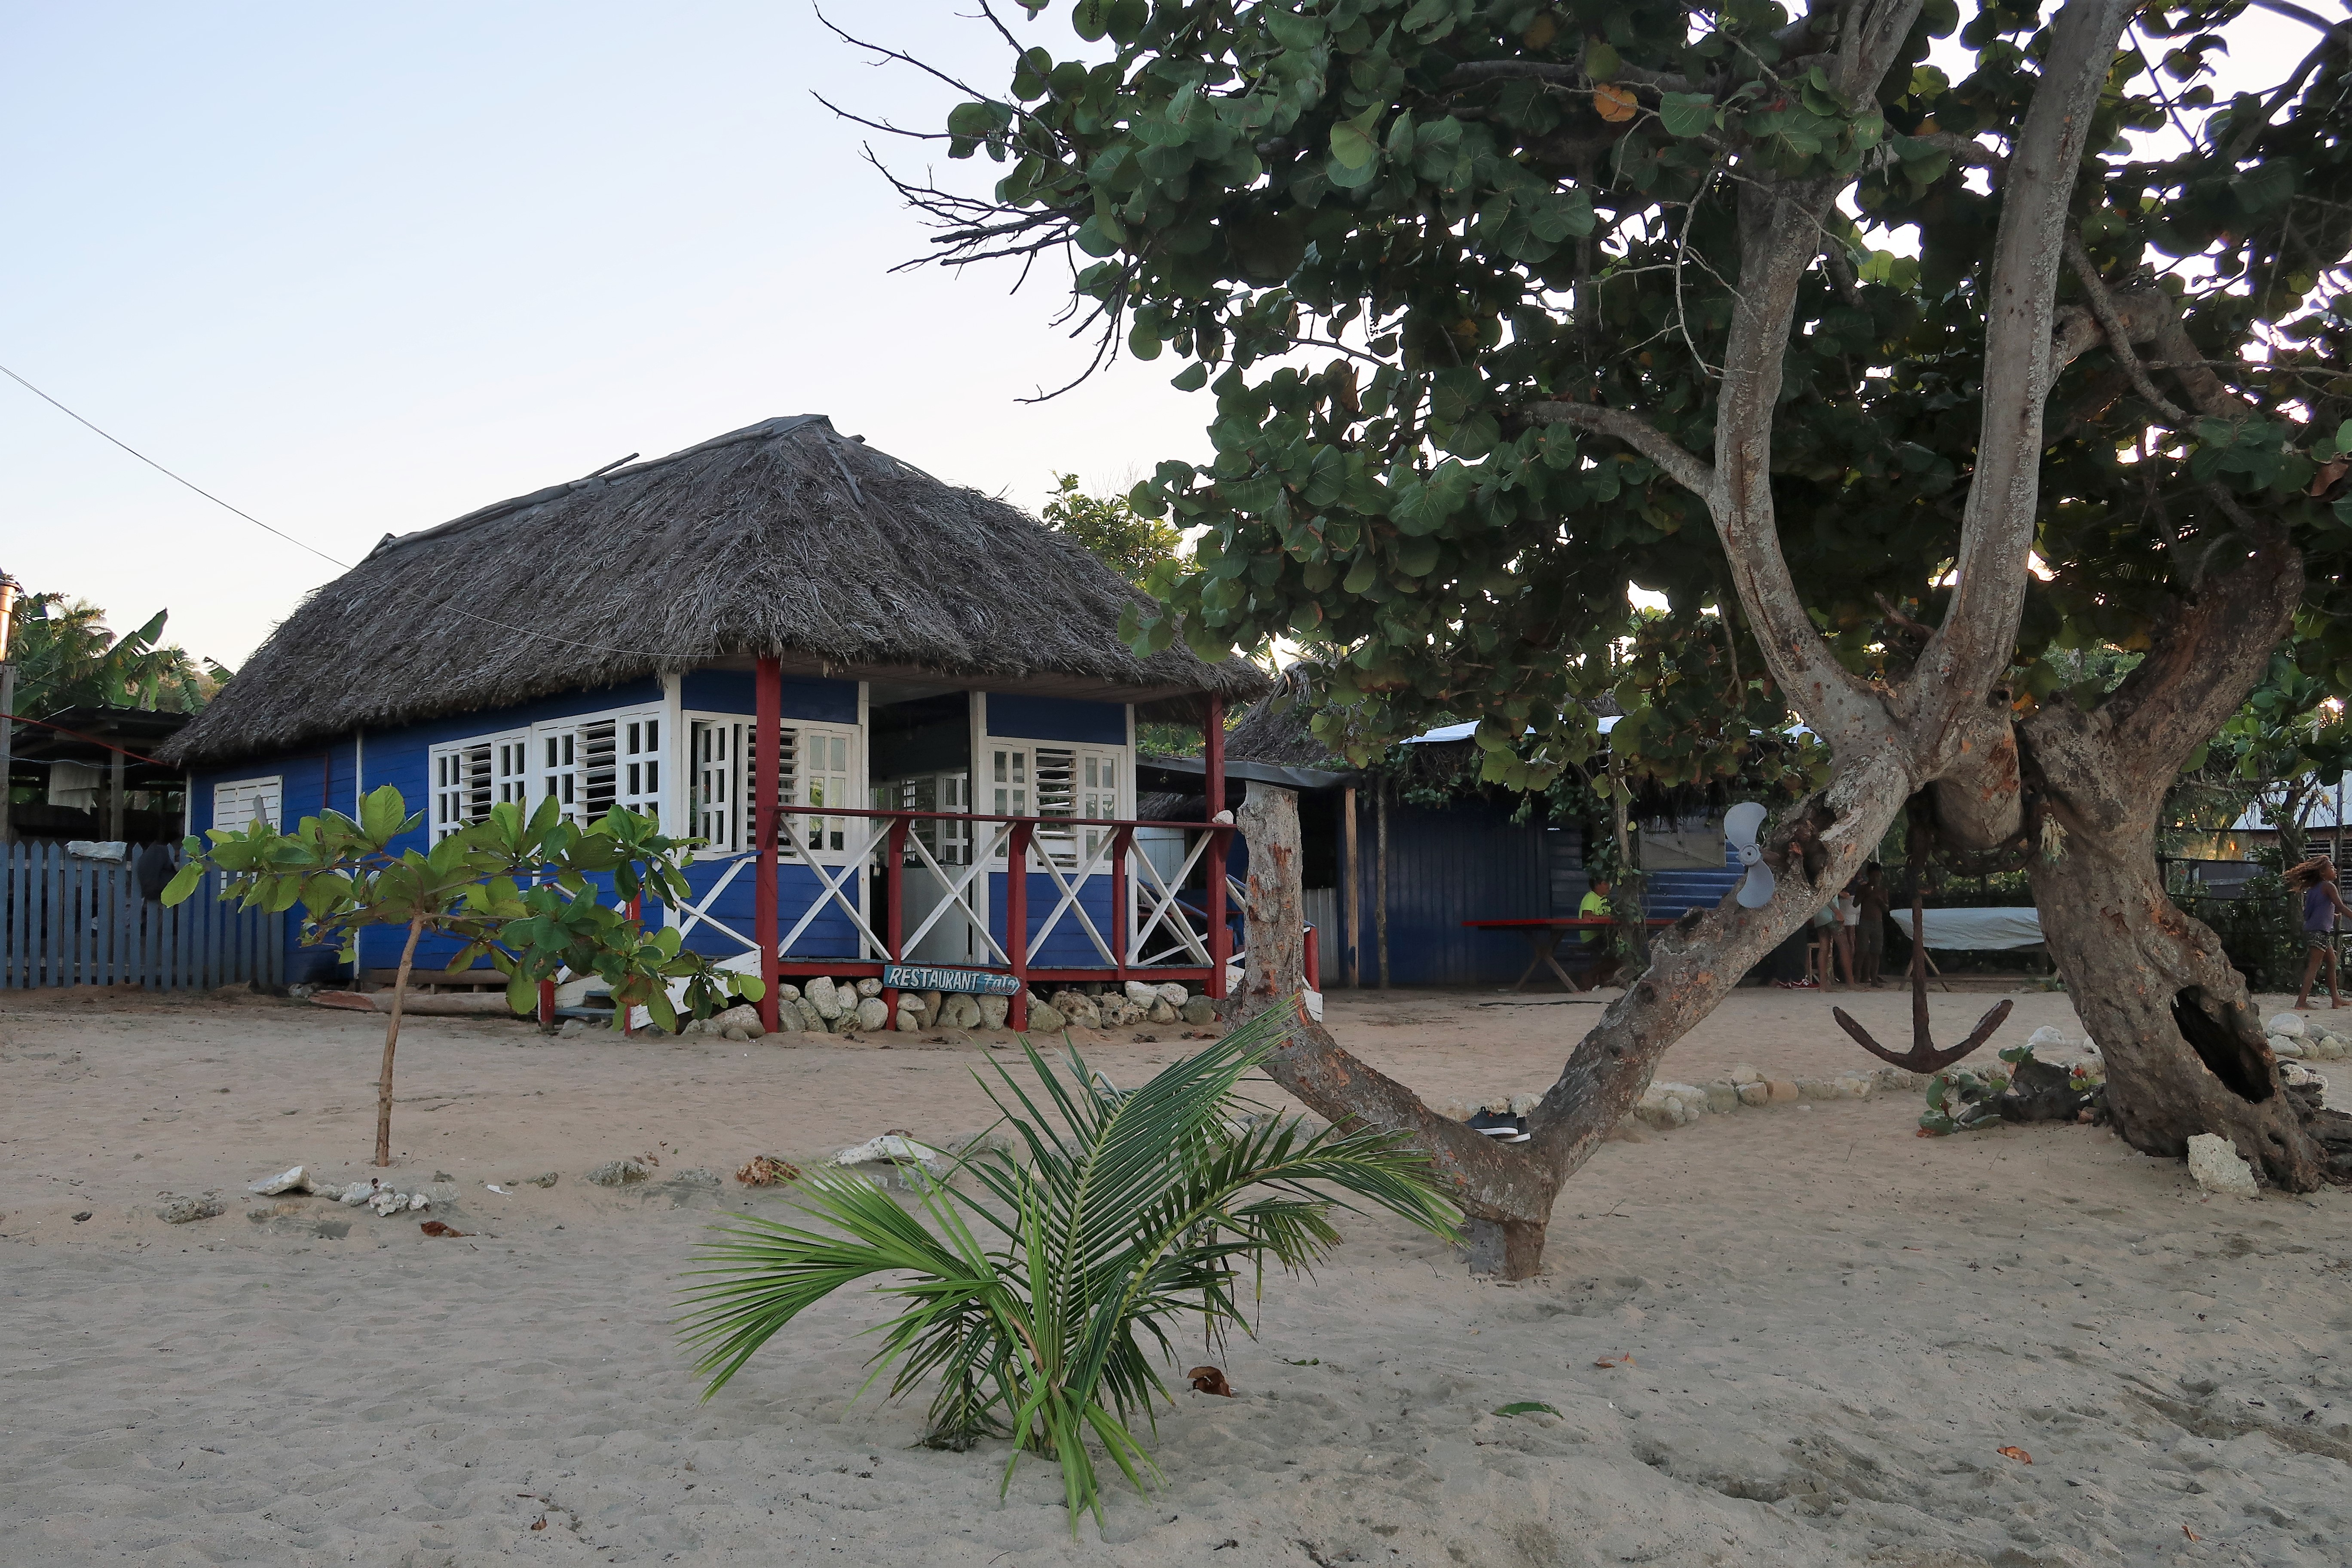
(1740, 826)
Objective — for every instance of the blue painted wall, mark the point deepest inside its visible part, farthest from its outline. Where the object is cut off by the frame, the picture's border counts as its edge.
(1467, 861)
(1056, 719)
(818, 700)
(339, 770)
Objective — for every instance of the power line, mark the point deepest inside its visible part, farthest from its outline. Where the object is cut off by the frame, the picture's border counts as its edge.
(167, 473)
(470, 615)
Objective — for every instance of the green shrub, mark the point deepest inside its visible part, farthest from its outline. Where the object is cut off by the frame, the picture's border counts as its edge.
(2261, 930)
(1120, 1215)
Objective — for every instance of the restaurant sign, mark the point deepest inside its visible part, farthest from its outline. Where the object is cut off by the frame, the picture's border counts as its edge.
(968, 982)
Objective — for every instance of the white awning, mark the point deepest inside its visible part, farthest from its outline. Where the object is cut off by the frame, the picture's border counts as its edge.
(1978, 929)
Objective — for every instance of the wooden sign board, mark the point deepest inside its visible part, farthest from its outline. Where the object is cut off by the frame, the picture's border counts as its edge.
(968, 982)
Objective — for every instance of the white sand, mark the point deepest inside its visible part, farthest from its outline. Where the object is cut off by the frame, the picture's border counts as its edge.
(1833, 1325)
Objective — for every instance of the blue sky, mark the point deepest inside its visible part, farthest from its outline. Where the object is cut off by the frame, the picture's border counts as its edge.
(359, 270)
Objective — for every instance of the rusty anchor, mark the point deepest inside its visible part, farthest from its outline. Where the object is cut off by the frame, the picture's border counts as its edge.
(1923, 1057)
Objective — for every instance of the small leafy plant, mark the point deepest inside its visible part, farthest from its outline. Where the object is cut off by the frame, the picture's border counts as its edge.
(1119, 1216)
(1959, 1099)
(513, 888)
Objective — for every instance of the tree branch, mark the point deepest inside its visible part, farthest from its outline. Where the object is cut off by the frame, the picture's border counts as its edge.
(1979, 636)
(1679, 463)
(2119, 333)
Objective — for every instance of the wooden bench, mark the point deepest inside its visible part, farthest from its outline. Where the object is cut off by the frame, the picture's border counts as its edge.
(431, 980)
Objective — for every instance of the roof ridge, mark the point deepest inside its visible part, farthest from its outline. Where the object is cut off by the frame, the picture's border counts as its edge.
(783, 424)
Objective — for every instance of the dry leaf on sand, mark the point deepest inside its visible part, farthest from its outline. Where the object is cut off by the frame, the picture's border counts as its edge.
(2020, 1455)
(767, 1171)
(1210, 1380)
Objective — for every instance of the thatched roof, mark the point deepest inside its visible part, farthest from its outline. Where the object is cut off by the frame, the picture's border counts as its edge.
(783, 539)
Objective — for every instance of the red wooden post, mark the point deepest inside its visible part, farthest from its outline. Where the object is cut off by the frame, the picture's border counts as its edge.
(1122, 841)
(1212, 754)
(546, 1001)
(1016, 920)
(767, 735)
(1313, 960)
(894, 928)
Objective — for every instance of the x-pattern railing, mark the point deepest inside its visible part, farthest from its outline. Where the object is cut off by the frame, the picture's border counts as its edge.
(1155, 914)
(960, 891)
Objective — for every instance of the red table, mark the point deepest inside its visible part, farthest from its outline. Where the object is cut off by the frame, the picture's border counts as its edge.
(1543, 941)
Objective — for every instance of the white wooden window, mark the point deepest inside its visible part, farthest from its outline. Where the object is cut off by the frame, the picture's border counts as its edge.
(599, 761)
(950, 843)
(238, 801)
(817, 768)
(1060, 781)
(715, 796)
(639, 763)
(1008, 773)
(816, 765)
(468, 777)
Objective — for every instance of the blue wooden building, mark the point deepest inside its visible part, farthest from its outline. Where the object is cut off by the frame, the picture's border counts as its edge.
(898, 712)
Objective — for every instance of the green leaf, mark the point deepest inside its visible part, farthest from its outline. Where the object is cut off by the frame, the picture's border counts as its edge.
(183, 882)
(1353, 147)
(1686, 115)
(1527, 1407)
(1600, 61)
(1191, 378)
(1416, 557)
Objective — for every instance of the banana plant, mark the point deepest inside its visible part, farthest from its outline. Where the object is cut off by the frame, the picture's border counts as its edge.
(1042, 1302)
(515, 888)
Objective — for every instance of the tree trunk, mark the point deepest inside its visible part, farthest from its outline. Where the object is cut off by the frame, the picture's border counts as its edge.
(1274, 969)
(2184, 1049)
(2185, 1052)
(1626, 902)
(1509, 1191)
(390, 1041)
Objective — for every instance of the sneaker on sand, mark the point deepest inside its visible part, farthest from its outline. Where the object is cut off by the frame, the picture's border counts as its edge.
(1499, 1124)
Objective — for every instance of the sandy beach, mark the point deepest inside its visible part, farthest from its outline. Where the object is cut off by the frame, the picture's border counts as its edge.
(1820, 1331)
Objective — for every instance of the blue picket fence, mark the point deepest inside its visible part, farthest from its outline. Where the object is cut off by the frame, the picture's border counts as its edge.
(66, 920)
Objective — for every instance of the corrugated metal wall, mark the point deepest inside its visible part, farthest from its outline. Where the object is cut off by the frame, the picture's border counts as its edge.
(1468, 861)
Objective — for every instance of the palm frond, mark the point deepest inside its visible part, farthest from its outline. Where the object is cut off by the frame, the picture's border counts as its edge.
(1121, 1213)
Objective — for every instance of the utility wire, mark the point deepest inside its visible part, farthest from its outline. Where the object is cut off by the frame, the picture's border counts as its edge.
(167, 473)
(486, 620)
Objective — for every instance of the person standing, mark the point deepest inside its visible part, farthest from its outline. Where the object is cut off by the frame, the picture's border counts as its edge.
(1820, 949)
(1870, 934)
(1849, 914)
(2323, 900)
(1594, 905)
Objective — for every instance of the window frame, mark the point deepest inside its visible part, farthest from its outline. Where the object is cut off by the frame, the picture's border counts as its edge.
(734, 774)
(269, 786)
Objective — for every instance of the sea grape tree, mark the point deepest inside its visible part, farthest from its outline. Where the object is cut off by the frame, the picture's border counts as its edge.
(1900, 367)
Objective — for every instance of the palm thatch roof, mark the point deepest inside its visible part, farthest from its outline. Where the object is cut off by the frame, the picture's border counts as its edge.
(784, 539)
